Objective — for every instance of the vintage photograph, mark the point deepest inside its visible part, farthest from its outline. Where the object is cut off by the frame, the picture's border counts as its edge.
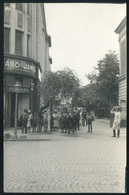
(65, 98)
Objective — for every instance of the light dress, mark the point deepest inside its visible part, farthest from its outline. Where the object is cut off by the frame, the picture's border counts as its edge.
(117, 119)
(29, 120)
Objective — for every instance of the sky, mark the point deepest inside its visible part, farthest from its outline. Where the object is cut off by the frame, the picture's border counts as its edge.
(81, 34)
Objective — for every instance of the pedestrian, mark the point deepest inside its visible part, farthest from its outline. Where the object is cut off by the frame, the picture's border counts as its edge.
(45, 121)
(29, 121)
(42, 121)
(83, 118)
(35, 122)
(77, 119)
(61, 122)
(70, 121)
(74, 121)
(23, 120)
(55, 121)
(89, 118)
(116, 123)
(65, 123)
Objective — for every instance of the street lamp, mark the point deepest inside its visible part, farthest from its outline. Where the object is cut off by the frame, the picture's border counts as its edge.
(15, 121)
(4, 101)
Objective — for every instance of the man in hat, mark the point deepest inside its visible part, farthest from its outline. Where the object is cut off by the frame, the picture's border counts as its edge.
(24, 117)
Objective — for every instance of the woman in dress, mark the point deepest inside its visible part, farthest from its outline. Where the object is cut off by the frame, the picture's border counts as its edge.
(29, 121)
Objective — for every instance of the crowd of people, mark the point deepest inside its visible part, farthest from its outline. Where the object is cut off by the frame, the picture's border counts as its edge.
(63, 121)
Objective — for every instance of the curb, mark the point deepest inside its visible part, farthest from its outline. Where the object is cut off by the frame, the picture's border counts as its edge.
(27, 140)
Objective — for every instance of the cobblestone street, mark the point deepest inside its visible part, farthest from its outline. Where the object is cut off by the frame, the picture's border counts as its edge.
(81, 162)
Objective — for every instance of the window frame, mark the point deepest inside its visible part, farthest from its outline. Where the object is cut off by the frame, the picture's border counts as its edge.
(18, 50)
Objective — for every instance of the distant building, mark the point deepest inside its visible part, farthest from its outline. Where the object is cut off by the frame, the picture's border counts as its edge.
(121, 31)
(26, 58)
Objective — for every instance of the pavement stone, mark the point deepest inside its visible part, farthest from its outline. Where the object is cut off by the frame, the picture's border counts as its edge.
(76, 163)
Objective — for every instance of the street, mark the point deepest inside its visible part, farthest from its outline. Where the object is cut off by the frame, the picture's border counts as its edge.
(77, 163)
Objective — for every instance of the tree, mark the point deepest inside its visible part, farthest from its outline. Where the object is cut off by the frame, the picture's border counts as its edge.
(59, 85)
(105, 79)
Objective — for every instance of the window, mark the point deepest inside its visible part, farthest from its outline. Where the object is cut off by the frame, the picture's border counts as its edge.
(20, 20)
(19, 81)
(7, 17)
(19, 6)
(123, 57)
(28, 9)
(18, 43)
(6, 40)
(28, 45)
(29, 25)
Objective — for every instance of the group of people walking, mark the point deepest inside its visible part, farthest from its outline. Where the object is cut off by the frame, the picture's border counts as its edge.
(64, 121)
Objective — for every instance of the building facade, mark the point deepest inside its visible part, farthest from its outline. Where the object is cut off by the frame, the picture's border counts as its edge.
(121, 31)
(26, 58)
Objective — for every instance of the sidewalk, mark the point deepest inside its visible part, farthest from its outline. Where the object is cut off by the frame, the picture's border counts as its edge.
(9, 134)
(48, 136)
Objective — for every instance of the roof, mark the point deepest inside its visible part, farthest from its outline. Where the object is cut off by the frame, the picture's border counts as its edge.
(121, 26)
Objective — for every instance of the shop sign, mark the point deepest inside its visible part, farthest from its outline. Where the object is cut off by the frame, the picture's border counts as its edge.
(18, 89)
(20, 66)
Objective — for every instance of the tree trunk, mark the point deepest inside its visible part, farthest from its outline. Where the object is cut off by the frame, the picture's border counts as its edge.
(51, 121)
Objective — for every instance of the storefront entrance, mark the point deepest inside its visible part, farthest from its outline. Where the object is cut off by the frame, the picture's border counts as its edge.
(22, 103)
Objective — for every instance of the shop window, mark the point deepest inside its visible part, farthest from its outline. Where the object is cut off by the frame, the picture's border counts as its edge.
(19, 6)
(10, 80)
(28, 45)
(19, 81)
(6, 40)
(18, 43)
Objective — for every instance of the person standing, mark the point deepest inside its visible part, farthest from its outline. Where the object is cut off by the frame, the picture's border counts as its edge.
(55, 121)
(116, 123)
(77, 119)
(24, 117)
(61, 122)
(89, 118)
(65, 123)
(35, 122)
(84, 118)
(45, 121)
(29, 121)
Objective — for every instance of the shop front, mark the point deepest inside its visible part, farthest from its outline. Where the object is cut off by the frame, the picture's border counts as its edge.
(21, 81)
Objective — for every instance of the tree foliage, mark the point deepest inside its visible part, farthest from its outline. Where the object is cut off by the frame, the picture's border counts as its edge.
(105, 79)
(62, 84)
